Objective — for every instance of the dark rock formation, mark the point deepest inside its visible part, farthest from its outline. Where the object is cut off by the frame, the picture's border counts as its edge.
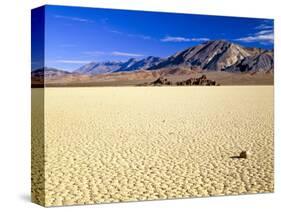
(191, 81)
(161, 81)
(198, 81)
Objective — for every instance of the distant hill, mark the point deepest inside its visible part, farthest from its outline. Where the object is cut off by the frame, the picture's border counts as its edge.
(132, 64)
(95, 68)
(143, 64)
(41, 75)
(48, 72)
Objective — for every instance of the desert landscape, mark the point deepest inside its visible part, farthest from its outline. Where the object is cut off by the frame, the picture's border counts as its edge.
(172, 142)
(198, 123)
(135, 105)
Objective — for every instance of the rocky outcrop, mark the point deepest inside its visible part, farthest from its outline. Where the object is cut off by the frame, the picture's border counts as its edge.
(203, 81)
(198, 81)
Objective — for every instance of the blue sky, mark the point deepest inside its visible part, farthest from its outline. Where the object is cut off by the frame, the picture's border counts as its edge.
(75, 36)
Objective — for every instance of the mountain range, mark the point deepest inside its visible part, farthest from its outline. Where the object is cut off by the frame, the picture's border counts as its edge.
(132, 64)
(218, 55)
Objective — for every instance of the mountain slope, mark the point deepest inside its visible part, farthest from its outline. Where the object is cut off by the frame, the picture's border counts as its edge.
(258, 63)
(218, 55)
(144, 64)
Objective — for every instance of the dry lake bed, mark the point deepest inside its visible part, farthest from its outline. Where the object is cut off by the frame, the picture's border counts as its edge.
(112, 144)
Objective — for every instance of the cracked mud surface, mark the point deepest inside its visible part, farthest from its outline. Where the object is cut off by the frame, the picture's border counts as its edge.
(112, 144)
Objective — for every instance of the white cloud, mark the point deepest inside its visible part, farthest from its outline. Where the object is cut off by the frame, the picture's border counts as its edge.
(199, 39)
(263, 32)
(73, 61)
(263, 37)
(264, 26)
(183, 39)
(174, 39)
(126, 54)
(71, 18)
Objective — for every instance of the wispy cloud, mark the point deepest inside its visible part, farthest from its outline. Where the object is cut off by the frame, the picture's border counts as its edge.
(174, 39)
(126, 54)
(264, 37)
(73, 61)
(264, 32)
(144, 37)
(114, 53)
(264, 26)
(94, 53)
(183, 39)
(72, 18)
(115, 31)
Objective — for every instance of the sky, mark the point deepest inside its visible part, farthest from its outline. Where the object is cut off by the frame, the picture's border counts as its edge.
(75, 36)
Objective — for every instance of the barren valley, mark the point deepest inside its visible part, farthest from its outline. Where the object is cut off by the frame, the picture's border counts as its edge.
(113, 144)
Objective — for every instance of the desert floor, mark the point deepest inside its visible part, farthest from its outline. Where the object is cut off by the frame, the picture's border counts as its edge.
(112, 144)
